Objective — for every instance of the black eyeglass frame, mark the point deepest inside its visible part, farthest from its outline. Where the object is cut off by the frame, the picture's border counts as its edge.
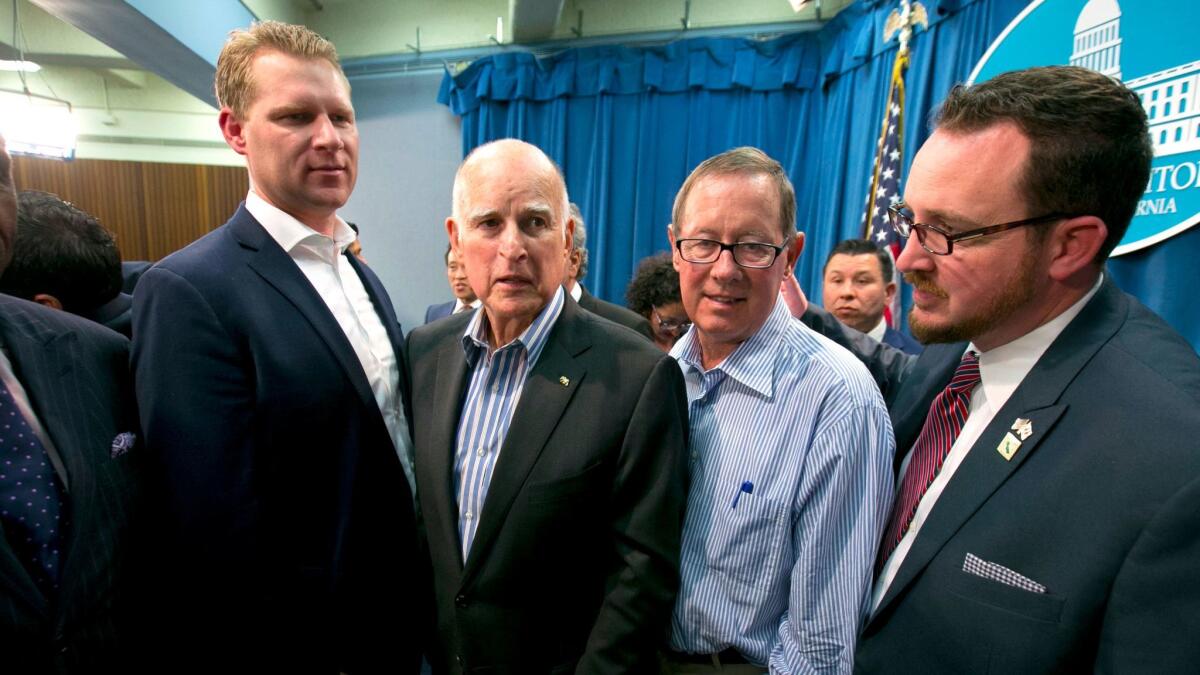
(905, 226)
(669, 327)
(732, 248)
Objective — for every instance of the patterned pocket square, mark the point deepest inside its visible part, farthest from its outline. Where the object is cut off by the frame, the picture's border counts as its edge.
(973, 564)
(122, 444)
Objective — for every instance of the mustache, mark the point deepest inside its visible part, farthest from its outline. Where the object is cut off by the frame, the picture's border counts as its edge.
(921, 281)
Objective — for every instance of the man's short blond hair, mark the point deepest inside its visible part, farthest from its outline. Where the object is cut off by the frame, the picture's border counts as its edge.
(235, 84)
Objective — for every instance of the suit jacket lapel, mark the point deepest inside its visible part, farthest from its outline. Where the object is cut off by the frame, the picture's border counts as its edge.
(437, 455)
(543, 401)
(274, 265)
(43, 364)
(984, 469)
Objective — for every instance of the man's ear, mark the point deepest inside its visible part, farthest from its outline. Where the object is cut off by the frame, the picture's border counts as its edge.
(452, 233)
(675, 261)
(793, 253)
(233, 130)
(1074, 244)
(48, 300)
(889, 292)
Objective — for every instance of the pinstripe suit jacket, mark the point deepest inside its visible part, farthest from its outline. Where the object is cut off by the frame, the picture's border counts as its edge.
(76, 374)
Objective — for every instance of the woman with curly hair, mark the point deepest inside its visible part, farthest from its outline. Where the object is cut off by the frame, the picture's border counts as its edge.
(654, 293)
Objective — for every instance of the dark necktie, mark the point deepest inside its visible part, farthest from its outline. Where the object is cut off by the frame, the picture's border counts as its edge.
(30, 498)
(942, 426)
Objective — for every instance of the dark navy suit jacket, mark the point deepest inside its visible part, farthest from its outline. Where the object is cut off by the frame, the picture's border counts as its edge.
(291, 540)
(435, 312)
(1100, 504)
(901, 341)
(76, 375)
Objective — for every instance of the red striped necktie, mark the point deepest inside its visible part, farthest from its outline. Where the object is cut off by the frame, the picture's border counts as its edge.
(943, 424)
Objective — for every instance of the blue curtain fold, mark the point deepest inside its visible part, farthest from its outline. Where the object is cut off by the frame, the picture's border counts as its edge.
(628, 124)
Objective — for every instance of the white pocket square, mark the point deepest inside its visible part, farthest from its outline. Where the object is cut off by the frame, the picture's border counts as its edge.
(979, 567)
(122, 444)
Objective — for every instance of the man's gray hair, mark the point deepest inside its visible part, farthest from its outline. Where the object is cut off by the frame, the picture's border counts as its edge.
(580, 242)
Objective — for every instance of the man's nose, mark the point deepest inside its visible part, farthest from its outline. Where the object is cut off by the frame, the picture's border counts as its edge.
(725, 267)
(325, 135)
(914, 256)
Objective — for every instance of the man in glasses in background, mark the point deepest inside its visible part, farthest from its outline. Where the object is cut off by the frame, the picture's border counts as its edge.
(791, 462)
(1049, 493)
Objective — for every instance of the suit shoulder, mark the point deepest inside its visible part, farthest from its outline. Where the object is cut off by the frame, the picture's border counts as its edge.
(1147, 348)
(36, 319)
(429, 337)
(207, 256)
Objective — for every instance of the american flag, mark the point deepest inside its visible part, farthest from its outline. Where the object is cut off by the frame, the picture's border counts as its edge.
(885, 181)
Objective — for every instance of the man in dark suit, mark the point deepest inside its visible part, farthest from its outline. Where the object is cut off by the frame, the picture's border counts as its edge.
(65, 259)
(69, 486)
(269, 363)
(858, 285)
(1049, 495)
(554, 530)
(464, 298)
(577, 266)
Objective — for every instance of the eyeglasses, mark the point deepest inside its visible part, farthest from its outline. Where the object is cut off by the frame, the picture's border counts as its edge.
(752, 254)
(674, 326)
(940, 242)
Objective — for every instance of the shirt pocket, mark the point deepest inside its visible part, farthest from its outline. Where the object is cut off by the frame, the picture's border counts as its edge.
(746, 543)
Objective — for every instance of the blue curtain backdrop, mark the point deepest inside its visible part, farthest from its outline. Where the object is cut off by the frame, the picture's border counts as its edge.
(628, 124)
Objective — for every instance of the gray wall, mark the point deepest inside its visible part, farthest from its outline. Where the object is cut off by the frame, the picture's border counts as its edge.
(409, 148)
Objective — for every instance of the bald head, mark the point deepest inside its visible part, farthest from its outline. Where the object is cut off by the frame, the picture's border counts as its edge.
(509, 154)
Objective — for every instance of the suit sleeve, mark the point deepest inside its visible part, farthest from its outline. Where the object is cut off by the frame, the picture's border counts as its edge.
(1151, 622)
(196, 397)
(888, 365)
(647, 502)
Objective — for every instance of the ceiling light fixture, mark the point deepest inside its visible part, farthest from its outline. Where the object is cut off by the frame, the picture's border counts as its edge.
(19, 66)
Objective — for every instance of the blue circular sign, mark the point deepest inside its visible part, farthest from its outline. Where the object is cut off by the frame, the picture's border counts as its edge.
(1151, 46)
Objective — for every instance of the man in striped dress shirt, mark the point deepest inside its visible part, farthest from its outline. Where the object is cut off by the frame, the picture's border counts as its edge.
(791, 457)
(550, 448)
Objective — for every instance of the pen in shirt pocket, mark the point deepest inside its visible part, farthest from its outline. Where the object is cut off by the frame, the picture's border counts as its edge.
(747, 487)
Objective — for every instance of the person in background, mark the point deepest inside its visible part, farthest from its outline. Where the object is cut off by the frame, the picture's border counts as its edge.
(464, 298)
(858, 286)
(65, 259)
(654, 293)
(273, 390)
(70, 484)
(577, 267)
(790, 475)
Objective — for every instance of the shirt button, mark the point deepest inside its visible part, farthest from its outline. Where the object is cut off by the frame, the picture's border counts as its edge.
(479, 452)
(468, 515)
(695, 455)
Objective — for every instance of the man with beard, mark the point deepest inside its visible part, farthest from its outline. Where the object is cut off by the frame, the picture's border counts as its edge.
(1049, 492)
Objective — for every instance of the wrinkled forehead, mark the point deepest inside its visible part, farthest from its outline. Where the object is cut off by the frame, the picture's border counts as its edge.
(527, 178)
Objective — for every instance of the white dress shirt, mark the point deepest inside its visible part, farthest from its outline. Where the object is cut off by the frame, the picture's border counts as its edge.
(576, 291)
(321, 260)
(459, 305)
(1001, 371)
(879, 330)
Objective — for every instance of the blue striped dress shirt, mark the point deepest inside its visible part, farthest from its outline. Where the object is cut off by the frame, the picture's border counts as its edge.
(497, 378)
(791, 483)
